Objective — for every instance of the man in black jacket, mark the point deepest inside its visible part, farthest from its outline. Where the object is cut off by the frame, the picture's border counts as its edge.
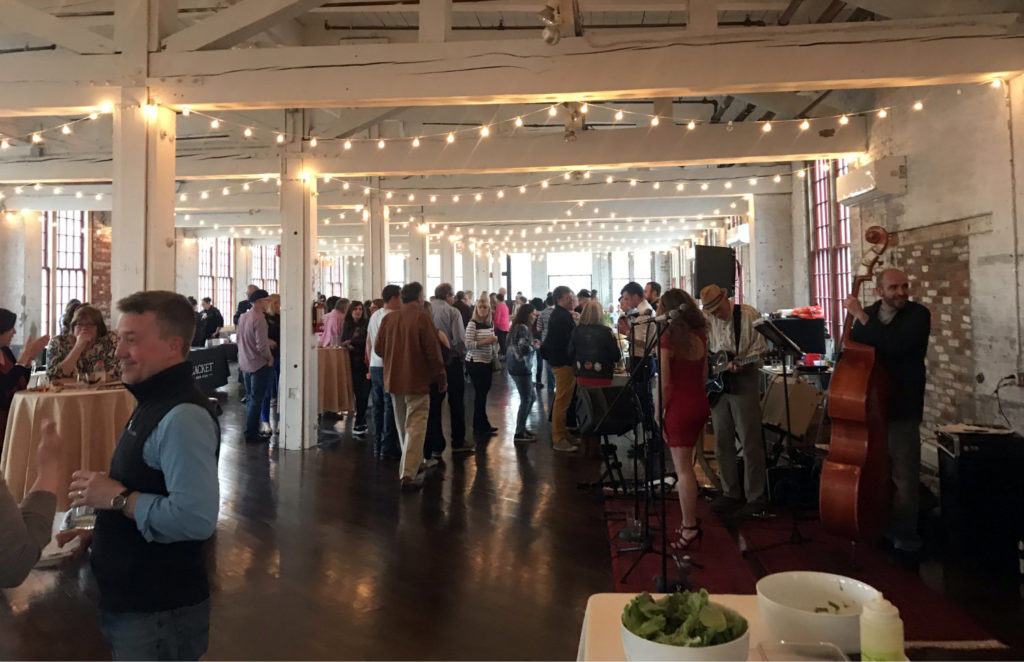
(555, 351)
(898, 329)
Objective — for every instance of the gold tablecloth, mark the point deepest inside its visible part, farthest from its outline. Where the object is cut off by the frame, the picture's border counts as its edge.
(334, 372)
(89, 421)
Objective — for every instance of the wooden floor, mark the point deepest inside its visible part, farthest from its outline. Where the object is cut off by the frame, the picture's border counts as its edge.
(318, 555)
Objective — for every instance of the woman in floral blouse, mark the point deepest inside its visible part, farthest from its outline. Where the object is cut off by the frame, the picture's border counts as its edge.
(79, 351)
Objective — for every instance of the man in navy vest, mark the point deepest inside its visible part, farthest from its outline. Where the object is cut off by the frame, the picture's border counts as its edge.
(159, 503)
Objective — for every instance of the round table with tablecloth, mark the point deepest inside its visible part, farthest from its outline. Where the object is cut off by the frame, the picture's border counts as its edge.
(89, 420)
(334, 371)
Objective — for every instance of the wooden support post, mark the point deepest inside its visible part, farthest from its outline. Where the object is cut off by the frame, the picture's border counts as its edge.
(447, 249)
(376, 242)
(469, 270)
(435, 20)
(298, 392)
(483, 275)
(418, 252)
(142, 224)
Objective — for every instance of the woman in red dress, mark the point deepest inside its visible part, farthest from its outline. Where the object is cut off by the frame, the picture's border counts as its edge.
(684, 406)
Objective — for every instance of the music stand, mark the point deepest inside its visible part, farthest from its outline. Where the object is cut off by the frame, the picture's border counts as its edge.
(788, 348)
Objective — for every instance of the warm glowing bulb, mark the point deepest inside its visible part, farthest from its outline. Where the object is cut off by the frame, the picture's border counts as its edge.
(186, 111)
(36, 138)
(4, 144)
(704, 186)
(484, 132)
(183, 197)
(609, 179)
(214, 124)
(566, 176)
(680, 187)
(433, 198)
(93, 115)
(692, 125)
(501, 194)
(478, 197)
(997, 83)
(519, 121)
(245, 186)
(312, 142)
(883, 113)
(412, 196)
(619, 115)
(544, 184)
(657, 185)
(766, 127)
(777, 178)
(801, 174)
(728, 185)
(584, 108)
(632, 182)
(65, 129)
(280, 138)
(106, 107)
(380, 144)
(366, 191)
(455, 198)
(552, 111)
(149, 110)
(522, 189)
(844, 120)
(918, 105)
(805, 125)
(415, 142)
(247, 133)
(752, 181)
(655, 121)
(204, 195)
(348, 144)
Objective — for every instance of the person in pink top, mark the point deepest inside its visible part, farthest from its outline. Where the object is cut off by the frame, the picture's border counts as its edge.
(501, 321)
(333, 322)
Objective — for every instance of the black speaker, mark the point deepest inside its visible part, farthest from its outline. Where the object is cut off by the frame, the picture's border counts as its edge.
(604, 410)
(714, 265)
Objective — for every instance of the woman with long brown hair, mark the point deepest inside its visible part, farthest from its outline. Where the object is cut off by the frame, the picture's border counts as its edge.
(684, 405)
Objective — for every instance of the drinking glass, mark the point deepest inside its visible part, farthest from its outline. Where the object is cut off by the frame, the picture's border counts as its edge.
(82, 517)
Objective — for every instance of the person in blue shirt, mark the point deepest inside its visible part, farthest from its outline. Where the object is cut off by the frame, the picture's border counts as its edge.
(158, 504)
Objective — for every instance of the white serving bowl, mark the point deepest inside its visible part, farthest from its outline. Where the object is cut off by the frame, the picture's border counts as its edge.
(787, 602)
(639, 649)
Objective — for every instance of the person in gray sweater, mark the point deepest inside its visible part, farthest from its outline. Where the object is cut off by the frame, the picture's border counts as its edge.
(25, 529)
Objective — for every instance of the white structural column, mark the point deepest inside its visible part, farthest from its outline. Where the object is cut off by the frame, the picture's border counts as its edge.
(418, 251)
(771, 252)
(539, 274)
(186, 276)
(447, 249)
(601, 278)
(142, 224)
(483, 275)
(353, 275)
(297, 397)
(435, 20)
(497, 267)
(376, 242)
(469, 270)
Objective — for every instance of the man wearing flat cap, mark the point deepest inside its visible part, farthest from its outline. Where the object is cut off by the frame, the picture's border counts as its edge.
(737, 414)
(255, 361)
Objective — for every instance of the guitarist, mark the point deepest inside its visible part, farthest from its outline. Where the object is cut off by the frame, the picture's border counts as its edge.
(738, 411)
(898, 329)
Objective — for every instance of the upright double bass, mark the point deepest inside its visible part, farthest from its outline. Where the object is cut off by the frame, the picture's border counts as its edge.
(856, 486)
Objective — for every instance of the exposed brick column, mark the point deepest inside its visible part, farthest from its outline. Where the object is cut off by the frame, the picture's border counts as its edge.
(99, 265)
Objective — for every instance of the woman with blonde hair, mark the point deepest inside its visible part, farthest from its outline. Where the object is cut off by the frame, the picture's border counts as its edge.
(684, 405)
(481, 348)
(593, 349)
(269, 413)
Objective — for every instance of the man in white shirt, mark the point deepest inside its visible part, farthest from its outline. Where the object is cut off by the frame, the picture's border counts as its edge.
(385, 440)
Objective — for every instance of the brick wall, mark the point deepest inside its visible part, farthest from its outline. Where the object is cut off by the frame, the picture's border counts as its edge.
(939, 272)
(99, 267)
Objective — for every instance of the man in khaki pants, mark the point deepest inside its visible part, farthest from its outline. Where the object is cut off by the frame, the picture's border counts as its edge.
(411, 349)
(555, 351)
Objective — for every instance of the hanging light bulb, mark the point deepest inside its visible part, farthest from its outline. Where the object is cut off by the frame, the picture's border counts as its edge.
(5, 144)
(766, 127)
(347, 144)
(280, 138)
(36, 138)
(692, 125)
(245, 186)
(416, 142)
(805, 125)
(65, 129)
(655, 121)
(619, 115)
(183, 197)
(484, 132)
(585, 107)
(522, 189)
(455, 198)
(680, 186)
(632, 182)
(704, 186)
(204, 195)
(501, 194)
(777, 178)
(433, 198)
(918, 105)
(883, 113)
(552, 111)
(519, 122)
(844, 120)
(728, 185)
(247, 133)
(312, 142)
(215, 123)
(752, 181)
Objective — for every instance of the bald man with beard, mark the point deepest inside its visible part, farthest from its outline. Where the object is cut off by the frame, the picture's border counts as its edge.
(898, 329)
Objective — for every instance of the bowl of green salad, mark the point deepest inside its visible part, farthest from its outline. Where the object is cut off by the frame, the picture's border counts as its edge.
(683, 627)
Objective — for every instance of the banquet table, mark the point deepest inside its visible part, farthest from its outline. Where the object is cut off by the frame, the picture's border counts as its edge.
(601, 638)
(89, 420)
(334, 373)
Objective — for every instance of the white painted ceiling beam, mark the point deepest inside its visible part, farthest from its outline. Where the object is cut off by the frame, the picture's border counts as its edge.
(479, 214)
(532, 7)
(18, 16)
(237, 23)
(916, 8)
(57, 83)
(621, 66)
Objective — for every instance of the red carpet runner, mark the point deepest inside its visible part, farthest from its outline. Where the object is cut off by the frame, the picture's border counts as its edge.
(927, 615)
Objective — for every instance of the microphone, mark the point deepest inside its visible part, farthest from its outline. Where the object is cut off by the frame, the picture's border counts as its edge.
(670, 315)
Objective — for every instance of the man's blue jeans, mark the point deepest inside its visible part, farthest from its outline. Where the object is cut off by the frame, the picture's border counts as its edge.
(385, 438)
(176, 634)
(256, 387)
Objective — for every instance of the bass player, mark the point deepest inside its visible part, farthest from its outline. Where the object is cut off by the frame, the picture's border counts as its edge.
(738, 411)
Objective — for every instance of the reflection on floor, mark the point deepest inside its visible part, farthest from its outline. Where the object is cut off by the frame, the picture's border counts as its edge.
(318, 555)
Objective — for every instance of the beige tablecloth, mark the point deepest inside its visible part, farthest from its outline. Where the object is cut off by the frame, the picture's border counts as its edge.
(89, 421)
(335, 376)
(601, 638)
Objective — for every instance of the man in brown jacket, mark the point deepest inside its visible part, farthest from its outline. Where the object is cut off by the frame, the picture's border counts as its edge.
(411, 349)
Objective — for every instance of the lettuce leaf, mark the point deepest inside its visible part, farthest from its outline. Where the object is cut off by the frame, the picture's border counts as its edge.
(686, 618)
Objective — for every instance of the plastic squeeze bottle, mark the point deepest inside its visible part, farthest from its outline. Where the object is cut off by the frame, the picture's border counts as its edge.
(881, 632)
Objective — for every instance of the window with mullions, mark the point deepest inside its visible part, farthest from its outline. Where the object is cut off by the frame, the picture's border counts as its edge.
(215, 271)
(570, 269)
(64, 259)
(830, 243)
(265, 267)
(332, 271)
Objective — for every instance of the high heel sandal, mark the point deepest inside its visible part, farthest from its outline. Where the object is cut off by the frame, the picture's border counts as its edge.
(684, 542)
